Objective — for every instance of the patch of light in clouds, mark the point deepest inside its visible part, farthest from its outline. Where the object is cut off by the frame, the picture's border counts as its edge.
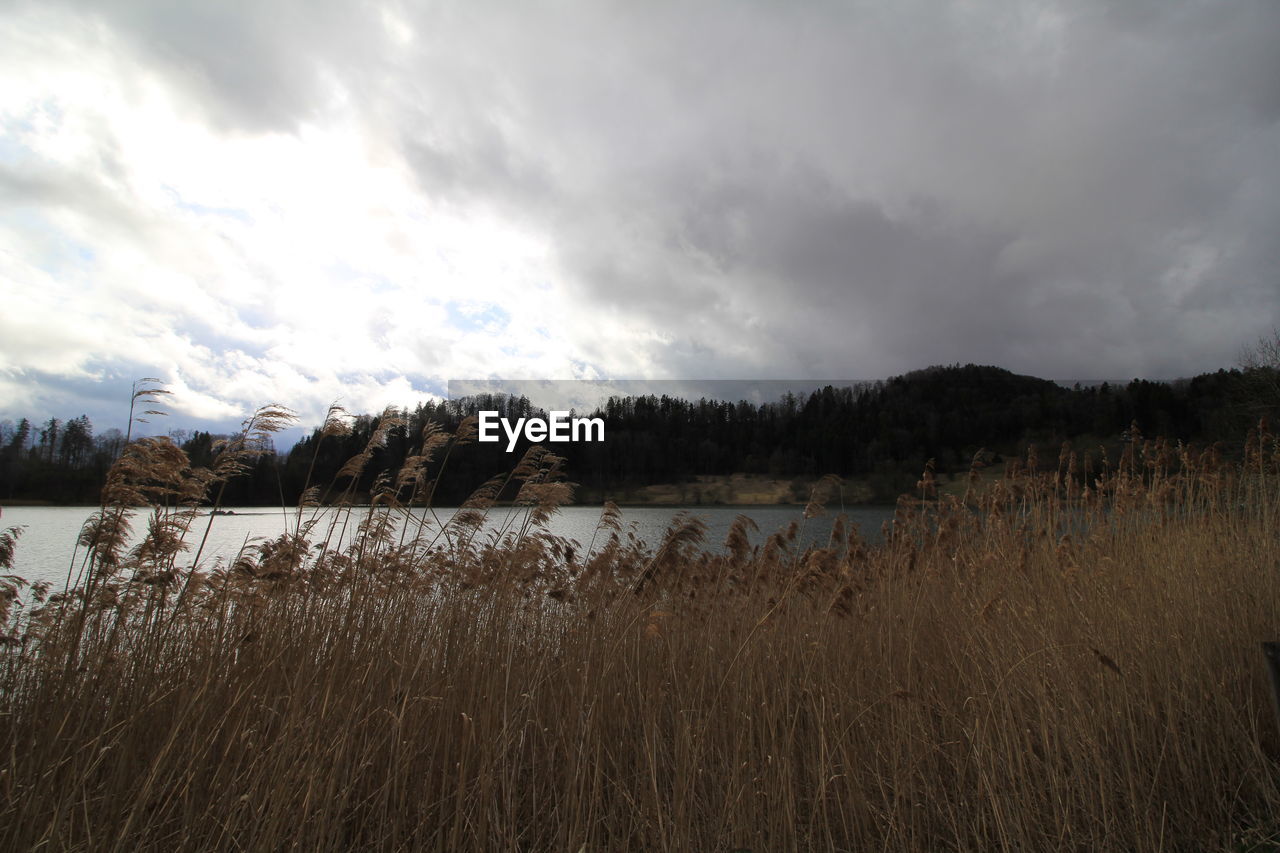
(310, 257)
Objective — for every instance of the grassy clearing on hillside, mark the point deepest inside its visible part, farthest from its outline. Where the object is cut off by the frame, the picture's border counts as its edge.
(1062, 661)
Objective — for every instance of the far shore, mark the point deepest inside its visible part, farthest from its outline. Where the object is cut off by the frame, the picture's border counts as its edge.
(728, 491)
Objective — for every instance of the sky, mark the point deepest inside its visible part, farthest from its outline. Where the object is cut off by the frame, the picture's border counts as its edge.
(309, 201)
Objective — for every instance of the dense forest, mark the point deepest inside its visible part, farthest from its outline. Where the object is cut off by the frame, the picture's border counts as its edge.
(883, 433)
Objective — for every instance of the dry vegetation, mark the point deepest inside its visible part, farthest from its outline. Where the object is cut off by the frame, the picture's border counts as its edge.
(737, 490)
(1066, 660)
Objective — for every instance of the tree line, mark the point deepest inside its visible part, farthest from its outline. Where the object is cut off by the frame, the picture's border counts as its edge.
(883, 432)
(59, 461)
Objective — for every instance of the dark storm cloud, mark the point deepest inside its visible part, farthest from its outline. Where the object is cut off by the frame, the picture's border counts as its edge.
(1072, 189)
(1078, 188)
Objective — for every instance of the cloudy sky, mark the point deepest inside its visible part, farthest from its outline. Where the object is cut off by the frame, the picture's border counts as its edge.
(298, 201)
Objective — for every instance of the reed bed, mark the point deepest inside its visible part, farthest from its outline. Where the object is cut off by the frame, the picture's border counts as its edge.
(1067, 660)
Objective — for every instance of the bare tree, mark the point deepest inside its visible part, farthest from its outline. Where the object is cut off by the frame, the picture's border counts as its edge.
(1260, 382)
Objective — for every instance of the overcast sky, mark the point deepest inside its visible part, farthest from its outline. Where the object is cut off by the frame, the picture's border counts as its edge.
(304, 201)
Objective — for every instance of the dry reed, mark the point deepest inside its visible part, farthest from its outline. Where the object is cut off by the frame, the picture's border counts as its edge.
(1065, 661)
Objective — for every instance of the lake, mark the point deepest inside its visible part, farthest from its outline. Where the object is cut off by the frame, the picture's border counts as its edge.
(46, 547)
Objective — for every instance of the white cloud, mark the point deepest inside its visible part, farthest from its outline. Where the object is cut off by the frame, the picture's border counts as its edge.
(244, 268)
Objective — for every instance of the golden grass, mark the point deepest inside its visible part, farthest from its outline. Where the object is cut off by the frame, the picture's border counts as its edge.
(1065, 661)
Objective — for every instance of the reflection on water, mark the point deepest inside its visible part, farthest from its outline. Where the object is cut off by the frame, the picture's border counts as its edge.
(46, 548)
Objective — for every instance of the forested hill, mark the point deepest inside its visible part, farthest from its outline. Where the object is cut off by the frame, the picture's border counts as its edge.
(888, 430)
(882, 432)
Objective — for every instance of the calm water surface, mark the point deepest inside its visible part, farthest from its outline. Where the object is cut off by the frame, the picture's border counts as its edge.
(46, 548)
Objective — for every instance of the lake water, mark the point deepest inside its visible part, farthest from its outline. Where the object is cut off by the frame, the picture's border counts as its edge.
(46, 548)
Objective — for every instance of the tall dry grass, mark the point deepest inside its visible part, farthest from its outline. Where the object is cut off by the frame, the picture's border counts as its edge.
(1066, 661)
